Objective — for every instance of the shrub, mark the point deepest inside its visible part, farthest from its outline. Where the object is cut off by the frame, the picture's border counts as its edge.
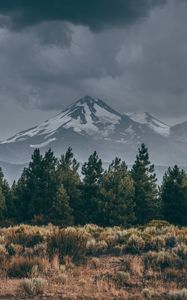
(181, 251)
(178, 295)
(33, 287)
(121, 278)
(69, 241)
(171, 274)
(14, 249)
(170, 240)
(146, 293)
(62, 278)
(3, 255)
(20, 267)
(40, 249)
(162, 260)
(135, 244)
(25, 235)
(158, 224)
(157, 243)
(96, 247)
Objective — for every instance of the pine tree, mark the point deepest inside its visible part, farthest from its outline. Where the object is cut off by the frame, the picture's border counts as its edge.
(34, 186)
(146, 192)
(49, 181)
(173, 193)
(68, 176)
(61, 213)
(21, 197)
(4, 196)
(116, 204)
(2, 204)
(37, 187)
(92, 171)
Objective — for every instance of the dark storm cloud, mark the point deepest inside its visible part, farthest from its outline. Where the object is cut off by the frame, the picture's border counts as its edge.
(46, 66)
(97, 14)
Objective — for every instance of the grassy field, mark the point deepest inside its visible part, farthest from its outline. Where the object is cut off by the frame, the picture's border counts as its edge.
(94, 263)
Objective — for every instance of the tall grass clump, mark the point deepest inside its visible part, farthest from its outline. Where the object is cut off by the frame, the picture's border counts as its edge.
(68, 242)
(20, 267)
(34, 286)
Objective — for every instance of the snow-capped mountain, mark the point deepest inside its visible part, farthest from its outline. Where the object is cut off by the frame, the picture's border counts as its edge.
(152, 122)
(90, 124)
(87, 116)
(180, 131)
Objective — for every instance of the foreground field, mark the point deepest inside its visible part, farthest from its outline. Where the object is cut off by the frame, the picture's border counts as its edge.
(93, 262)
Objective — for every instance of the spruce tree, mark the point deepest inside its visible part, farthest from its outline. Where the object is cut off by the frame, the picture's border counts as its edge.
(61, 213)
(5, 199)
(116, 206)
(21, 197)
(34, 186)
(173, 193)
(92, 171)
(37, 187)
(49, 181)
(146, 192)
(2, 205)
(68, 176)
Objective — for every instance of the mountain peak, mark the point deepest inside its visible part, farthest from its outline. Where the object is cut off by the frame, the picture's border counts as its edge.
(87, 116)
(87, 124)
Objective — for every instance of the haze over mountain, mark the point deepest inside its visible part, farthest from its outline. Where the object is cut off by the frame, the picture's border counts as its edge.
(90, 124)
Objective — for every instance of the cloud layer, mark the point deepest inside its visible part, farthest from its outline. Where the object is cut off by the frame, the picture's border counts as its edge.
(97, 14)
(133, 56)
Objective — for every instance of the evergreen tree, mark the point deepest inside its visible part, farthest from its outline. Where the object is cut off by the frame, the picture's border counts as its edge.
(146, 192)
(173, 193)
(2, 204)
(92, 172)
(5, 199)
(37, 187)
(61, 212)
(50, 184)
(116, 204)
(34, 186)
(68, 176)
(20, 197)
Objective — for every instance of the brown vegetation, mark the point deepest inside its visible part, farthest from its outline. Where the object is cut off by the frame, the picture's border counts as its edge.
(94, 262)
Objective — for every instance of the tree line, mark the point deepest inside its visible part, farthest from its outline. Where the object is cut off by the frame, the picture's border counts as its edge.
(52, 190)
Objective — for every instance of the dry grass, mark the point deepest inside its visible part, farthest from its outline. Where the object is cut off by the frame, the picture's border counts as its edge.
(111, 263)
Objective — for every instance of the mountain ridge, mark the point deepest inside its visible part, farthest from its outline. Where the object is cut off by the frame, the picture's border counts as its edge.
(96, 125)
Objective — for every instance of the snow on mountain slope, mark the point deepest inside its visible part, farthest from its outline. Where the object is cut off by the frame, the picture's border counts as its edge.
(152, 122)
(86, 116)
(90, 124)
(180, 131)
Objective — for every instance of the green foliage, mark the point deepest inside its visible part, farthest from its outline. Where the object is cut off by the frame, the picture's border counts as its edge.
(68, 177)
(174, 196)
(42, 183)
(5, 199)
(61, 213)
(116, 205)
(146, 193)
(51, 190)
(92, 171)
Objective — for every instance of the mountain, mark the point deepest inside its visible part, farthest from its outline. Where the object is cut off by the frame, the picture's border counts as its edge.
(90, 124)
(179, 131)
(152, 122)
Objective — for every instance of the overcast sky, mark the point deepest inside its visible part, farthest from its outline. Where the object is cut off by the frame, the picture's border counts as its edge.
(130, 53)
